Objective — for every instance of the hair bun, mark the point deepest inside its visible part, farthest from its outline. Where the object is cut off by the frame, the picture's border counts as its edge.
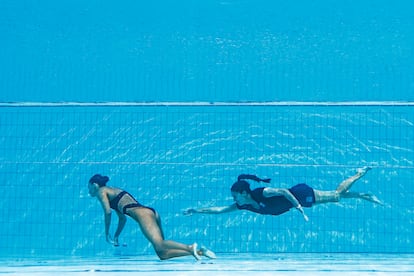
(99, 179)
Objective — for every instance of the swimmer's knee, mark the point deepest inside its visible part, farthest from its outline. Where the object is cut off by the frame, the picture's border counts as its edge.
(162, 253)
(162, 256)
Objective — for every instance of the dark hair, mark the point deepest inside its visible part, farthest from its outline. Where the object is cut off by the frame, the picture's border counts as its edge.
(244, 186)
(99, 179)
(241, 186)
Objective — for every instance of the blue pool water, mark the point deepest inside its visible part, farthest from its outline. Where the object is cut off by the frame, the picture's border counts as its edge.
(177, 157)
(218, 50)
(173, 100)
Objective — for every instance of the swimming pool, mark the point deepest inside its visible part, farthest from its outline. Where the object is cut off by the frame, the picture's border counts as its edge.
(201, 150)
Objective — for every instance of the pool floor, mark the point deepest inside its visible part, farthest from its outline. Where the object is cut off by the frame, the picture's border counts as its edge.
(225, 264)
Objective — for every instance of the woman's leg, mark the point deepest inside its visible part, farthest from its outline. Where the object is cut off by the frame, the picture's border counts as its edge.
(345, 185)
(325, 196)
(158, 219)
(342, 191)
(365, 196)
(150, 226)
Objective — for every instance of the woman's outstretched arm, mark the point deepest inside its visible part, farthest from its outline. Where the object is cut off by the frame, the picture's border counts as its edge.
(211, 210)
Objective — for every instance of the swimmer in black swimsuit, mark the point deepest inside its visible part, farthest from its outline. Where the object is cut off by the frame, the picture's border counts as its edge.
(148, 219)
(276, 201)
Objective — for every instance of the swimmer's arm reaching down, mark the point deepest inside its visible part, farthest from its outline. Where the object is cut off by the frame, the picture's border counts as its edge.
(104, 200)
(211, 210)
(269, 192)
(121, 224)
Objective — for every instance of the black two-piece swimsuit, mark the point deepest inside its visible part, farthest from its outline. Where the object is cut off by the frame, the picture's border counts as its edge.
(130, 203)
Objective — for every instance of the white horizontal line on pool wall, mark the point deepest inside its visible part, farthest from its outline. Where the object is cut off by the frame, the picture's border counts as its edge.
(205, 104)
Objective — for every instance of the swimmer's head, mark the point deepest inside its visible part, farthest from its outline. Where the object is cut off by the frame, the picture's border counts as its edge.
(95, 183)
(241, 192)
(241, 186)
(99, 179)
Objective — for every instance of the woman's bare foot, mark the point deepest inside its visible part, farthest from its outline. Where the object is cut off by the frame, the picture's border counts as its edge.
(372, 198)
(362, 171)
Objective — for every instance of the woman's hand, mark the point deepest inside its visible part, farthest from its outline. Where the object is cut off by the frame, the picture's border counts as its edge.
(109, 239)
(211, 210)
(116, 243)
(113, 241)
(300, 209)
(189, 212)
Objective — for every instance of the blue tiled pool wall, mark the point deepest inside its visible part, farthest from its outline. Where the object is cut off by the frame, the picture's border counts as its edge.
(172, 158)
